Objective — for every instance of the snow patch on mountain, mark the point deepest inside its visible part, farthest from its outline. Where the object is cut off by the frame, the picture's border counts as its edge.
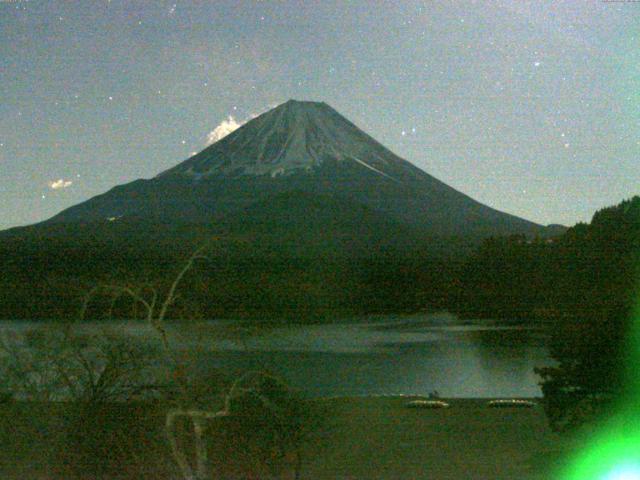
(373, 168)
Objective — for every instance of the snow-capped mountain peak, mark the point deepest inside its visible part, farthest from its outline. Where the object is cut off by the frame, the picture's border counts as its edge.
(295, 137)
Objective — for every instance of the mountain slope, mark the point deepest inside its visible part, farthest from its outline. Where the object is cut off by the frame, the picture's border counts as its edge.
(306, 225)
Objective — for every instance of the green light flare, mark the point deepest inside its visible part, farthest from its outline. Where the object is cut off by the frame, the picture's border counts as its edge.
(614, 451)
(614, 454)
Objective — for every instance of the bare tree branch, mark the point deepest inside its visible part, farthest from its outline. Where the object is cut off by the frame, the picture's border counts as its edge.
(169, 299)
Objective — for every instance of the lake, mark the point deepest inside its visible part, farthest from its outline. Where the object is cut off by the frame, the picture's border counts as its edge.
(378, 355)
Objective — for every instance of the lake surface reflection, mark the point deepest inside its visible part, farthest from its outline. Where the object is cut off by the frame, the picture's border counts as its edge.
(382, 355)
(389, 355)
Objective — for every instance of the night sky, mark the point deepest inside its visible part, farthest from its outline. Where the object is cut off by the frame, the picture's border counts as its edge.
(532, 108)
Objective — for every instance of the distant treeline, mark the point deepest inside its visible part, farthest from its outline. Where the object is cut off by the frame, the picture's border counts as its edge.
(589, 268)
(44, 279)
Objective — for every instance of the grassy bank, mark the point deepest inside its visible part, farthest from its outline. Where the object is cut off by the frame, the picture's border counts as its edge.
(378, 438)
(362, 438)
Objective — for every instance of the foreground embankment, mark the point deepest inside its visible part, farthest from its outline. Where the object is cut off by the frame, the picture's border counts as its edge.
(361, 438)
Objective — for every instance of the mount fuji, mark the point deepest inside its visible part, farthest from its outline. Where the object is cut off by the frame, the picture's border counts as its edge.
(307, 151)
(304, 214)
